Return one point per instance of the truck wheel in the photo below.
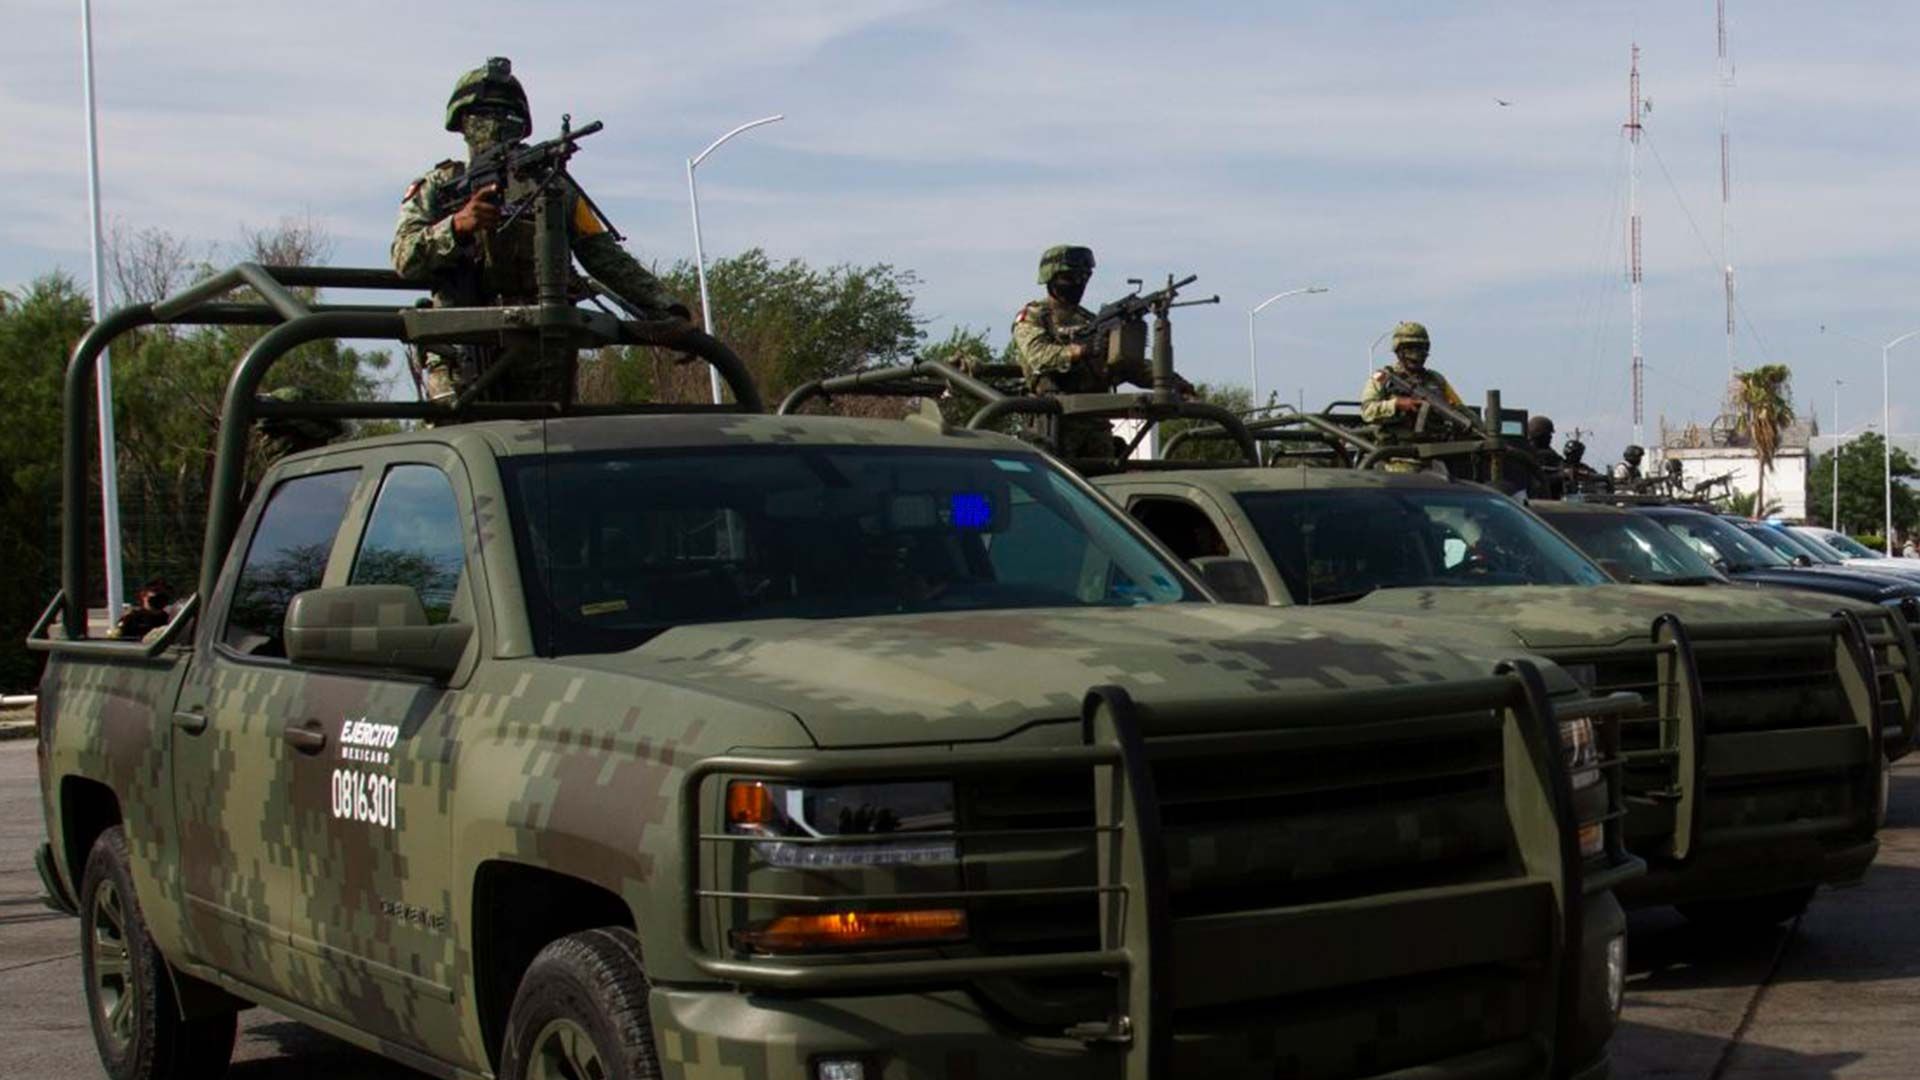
(1752, 912)
(581, 1012)
(136, 1022)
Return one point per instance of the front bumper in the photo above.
(57, 896)
(1753, 870)
(949, 1033)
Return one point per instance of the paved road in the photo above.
(1834, 997)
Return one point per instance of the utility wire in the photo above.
(1712, 259)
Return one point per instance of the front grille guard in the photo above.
(1897, 673)
(1131, 882)
(1677, 713)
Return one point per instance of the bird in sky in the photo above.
(1502, 103)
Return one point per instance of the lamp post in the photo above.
(1373, 347)
(1834, 521)
(1886, 428)
(699, 254)
(1253, 357)
(103, 377)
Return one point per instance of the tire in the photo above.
(129, 992)
(580, 1012)
(1752, 912)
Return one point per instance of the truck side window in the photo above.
(288, 555)
(1182, 526)
(414, 538)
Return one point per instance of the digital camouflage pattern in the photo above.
(1786, 707)
(1043, 331)
(375, 872)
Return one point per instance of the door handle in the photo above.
(191, 721)
(308, 738)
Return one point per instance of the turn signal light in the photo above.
(856, 929)
(749, 803)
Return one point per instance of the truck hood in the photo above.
(974, 676)
(1567, 616)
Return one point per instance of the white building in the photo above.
(1786, 481)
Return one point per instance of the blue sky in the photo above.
(1264, 146)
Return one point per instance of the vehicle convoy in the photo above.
(1800, 547)
(709, 743)
(1752, 774)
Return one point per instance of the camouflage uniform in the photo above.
(1377, 403)
(1043, 332)
(497, 267)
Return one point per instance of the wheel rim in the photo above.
(564, 1051)
(116, 998)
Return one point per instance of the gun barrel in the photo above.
(1185, 281)
(583, 132)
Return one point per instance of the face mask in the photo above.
(485, 131)
(1067, 292)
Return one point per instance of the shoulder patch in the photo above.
(1380, 376)
(413, 189)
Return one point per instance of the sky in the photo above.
(1264, 146)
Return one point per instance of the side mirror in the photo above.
(1616, 570)
(373, 626)
(1803, 560)
(1233, 580)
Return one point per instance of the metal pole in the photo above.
(1886, 431)
(1253, 360)
(1374, 346)
(1834, 521)
(699, 252)
(103, 386)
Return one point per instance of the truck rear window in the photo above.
(615, 548)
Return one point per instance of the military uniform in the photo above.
(1043, 333)
(1377, 402)
(498, 266)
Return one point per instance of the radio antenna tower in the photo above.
(1723, 71)
(1632, 128)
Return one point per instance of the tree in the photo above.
(1236, 399)
(1763, 410)
(788, 321)
(1862, 502)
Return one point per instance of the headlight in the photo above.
(845, 825)
(1583, 761)
(1583, 752)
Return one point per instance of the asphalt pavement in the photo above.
(1836, 995)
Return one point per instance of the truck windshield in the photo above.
(1648, 552)
(1715, 539)
(617, 547)
(1332, 546)
(1788, 546)
(1847, 545)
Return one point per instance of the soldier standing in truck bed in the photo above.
(472, 260)
(1396, 413)
(1057, 359)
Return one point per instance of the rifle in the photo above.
(1431, 401)
(543, 163)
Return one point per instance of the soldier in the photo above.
(1055, 361)
(471, 260)
(1396, 412)
(1549, 465)
(1628, 471)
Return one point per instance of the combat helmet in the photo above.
(1411, 333)
(1065, 259)
(493, 83)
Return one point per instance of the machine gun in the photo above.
(542, 163)
(1432, 403)
(1118, 331)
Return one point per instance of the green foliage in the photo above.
(1862, 488)
(1743, 503)
(789, 321)
(1233, 398)
(1763, 410)
(38, 328)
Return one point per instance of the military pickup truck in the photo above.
(718, 744)
(1757, 768)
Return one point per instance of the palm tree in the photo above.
(1763, 408)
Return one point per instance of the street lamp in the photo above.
(1376, 345)
(1834, 521)
(1886, 428)
(699, 255)
(1253, 358)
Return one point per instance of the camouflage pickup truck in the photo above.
(710, 744)
(1757, 767)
